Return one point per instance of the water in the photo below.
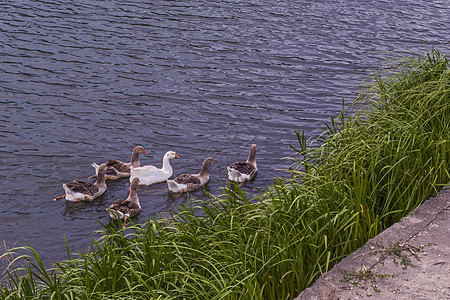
(86, 81)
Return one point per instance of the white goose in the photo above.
(150, 174)
(243, 171)
(190, 182)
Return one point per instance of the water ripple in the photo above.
(86, 81)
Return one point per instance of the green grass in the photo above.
(364, 173)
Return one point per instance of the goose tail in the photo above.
(233, 174)
(115, 214)
(173, 186)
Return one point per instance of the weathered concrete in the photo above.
(422, 238)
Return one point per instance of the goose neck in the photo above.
(204, 171)
(135, 160)
(251, 157)
(166, 165)
(133, 196)
(100, 181)
(100, 178)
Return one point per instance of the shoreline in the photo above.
(425, 239)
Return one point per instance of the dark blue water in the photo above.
(86, 81)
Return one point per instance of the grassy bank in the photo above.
(368, 170)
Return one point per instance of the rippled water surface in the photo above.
(86, 81)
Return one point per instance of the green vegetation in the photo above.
(368, 170)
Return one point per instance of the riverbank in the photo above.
(368, 170)
(409, 260)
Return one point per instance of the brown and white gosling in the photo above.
(191, 182)
(80, 190)
(118, 169)
(243, 171)
(126, 208)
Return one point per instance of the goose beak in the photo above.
(107, 177)
(176, 155)
(145, 151)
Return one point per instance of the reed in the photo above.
(364, 173)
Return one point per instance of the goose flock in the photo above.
(79, 190)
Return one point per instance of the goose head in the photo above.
(134, 184)
(139, 150)
(101, 172)
(171, 155)
(207, 165)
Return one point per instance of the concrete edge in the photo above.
(331, 283)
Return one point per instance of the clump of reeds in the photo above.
(367, 171)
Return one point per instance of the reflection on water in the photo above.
(87, 81)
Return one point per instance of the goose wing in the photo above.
(84, 187)
(117, 165)
(244, 167)
(117, 203)
(187, 178)
(145, 170)
(132, 209)
(126, 207)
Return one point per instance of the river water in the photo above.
(87, 81)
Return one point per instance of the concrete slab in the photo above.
(409, 260)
